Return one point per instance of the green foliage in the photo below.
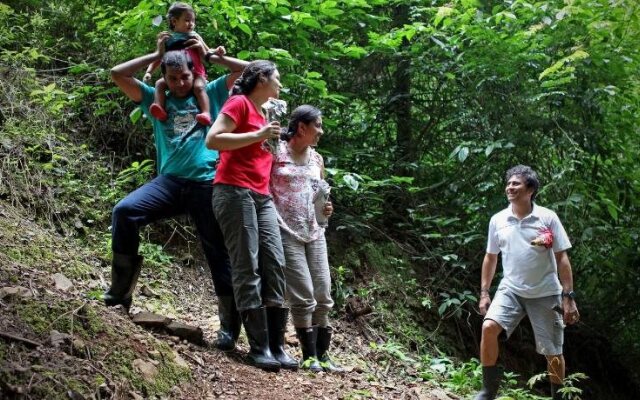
(136, 175)
(452, 303)
(464, 378)
(426, 104)
(340, 287)
(569, 390)
(155, 254)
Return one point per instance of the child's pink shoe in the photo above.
(204, 118)
(158, 112)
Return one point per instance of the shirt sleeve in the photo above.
(235, 108)
(493, 244)
(218, 93)
(560, 239)
(148, 93)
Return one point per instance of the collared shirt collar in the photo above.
(535, 212)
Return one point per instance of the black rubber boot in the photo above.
(125, 270)
(555, 394)
(277, 322)
(491, 377)
(322, 348)
(307, 338)
(255, 325)
(230, 323)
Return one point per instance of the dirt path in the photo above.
(48, 287)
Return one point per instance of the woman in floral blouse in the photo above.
(298, 190)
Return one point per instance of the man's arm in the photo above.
(123, 74)
(488, 271)
(236, 66)
(571, 314)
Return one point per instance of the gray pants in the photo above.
(249, 224)
(308, 281)
(508, 309)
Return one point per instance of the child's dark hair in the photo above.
(255, 72)
(305, 114)
(175, 59)
(176, 10)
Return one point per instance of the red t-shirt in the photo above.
(250, 166)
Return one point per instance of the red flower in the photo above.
(545, 238)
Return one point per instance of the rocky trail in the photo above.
(58, 341)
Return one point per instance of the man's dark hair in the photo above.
(176, 59)
(528, 174)
(256, 71)
(305, 114)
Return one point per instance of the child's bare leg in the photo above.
(157, 108)
(200, 92)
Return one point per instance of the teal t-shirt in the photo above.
(179, 140)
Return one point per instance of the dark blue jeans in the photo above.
(166, 197)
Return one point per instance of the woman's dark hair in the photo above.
(305, 114)
(528, 174)
(255, 72)
(176, 10)
(175, 59)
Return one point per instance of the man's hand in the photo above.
(485, 302)
(198, 45)
(161, 38)
(571, 314)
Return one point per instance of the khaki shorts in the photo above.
(508, 309)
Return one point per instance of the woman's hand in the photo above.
(269, 131)
(147, 77)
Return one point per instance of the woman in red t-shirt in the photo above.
(247, 216)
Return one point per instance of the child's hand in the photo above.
(147, 77)
(220, 51)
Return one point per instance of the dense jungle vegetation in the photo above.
(426, 104)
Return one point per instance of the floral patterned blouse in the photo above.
(294, 188)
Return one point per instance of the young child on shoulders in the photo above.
(182, 21)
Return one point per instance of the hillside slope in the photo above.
(59, 341)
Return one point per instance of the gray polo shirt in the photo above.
(529, 271)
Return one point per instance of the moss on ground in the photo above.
(115, 347)
(169, 372)
(64, 316)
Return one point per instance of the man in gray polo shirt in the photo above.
(534, 247)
